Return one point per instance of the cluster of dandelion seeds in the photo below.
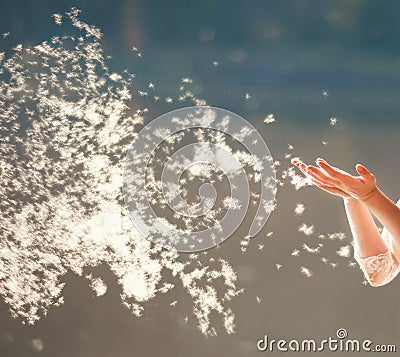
(64, 126)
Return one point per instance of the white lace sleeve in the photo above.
(380, 269)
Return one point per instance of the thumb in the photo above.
(363, 171)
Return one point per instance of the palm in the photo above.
(339, 182)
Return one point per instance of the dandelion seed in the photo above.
(333, 236)
(296, 180)
(142, 94)
(18, 48)
(57, 19)
(333, 265)
(296, 253)
(156, 98)
(325, 93)
(151, 86)
(98, 286)
(365, 282)
(169, 100)
(290, 147)
(136, 309)
(258, 299)
(229, 322)
(247, 96)
(136, 51)
(307, 272)
(352, 264)
(325, 260)
(166, 287)
(270, 234)
(186, 80)
(231, 203)
(307, 230)
(344, 251)
(324, 143)
(244, 243)
(260, 247)
(333, 121)
(300, 208)
(269, 119)
(278, 266)
(310, 249)
(115, 77)
(288, 156)
(6, 34)
(215, 63)
(173, 303)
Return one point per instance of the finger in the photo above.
(303, 168)
(321, 175)
(332, 171)
(364, 172)
(296, 161)
(317, 181)
(301, 165)
(335, 172)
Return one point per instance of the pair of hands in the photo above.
(339, 182)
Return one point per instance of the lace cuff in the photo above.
(379, 269)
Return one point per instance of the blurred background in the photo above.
(305, 61)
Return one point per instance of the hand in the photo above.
(339, 182)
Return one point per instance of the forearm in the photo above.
(366, 236)
(370, 250)
(386, 211)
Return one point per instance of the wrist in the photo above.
(370, 195)
(348, 199)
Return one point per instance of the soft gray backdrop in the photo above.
(284, 54)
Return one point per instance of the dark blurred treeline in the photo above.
(369, 24)
(360, 24)
(281, 51)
